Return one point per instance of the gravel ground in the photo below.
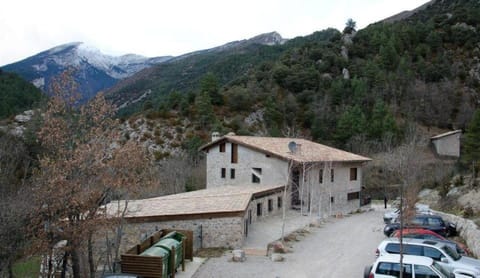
(339, 248)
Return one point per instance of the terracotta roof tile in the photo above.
(212, 200)
(307, 151)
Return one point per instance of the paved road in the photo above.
(339, 248)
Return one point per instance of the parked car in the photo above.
(438, 251)
(461, 248)
(120, 275)
(392, 215)
(430, 222)
(413, 267)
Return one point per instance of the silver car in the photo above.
(438, 251)
(388, 266)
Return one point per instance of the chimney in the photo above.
(215, 135)
(298, 149)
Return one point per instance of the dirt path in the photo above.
(339, 248)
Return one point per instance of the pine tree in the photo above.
(205, 114)
(471, 147)
(349, 26)
(381, 121)
(352, 122)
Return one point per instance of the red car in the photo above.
(427, 234)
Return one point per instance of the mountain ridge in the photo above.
(92, 70)
(95, 71)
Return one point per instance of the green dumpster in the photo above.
(176, 235)
(155, 251)
(167, 244)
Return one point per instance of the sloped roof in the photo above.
(446, 134)
(224, 199)
(307, 151)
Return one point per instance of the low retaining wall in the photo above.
(467, 229)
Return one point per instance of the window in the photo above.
(332, 175)
(408, 249)
(234, 153)
(432, 253)
(270, 204)
(332, 199)
(422, 271)
(232, 173)
(223, 172)
(353, 174)
(353, 196)
(279, 202)
(257, 172)
(259, 209)
(320, 176)
(393, 269)
(435, 222)
(222, 147)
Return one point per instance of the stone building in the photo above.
(249, 178)
(218, 217)
(447, 144)
(321, 179)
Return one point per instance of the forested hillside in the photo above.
(336, 87)
(184, 74)
(16, 94)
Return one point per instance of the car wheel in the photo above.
(448, 233)
(366, 271)
(451, 230)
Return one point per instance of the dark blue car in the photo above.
(430, 222)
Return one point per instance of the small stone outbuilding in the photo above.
(447, 144)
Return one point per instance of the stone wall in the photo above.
(207, 233)
(276, 201)
(467, 229)
(329, 198)
(210, 232)
(274, 171)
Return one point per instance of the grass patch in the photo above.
(27, 268)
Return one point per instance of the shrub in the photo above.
(159, 155)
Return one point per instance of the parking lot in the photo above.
(341, 247)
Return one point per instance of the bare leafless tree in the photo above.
(402, 162)
(83, 166)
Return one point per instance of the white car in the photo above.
(440, 252)
(413, 267)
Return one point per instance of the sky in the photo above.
(173, 27)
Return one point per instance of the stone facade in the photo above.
(210, 231)
(264, 207)
(273, 171)
(325, 197)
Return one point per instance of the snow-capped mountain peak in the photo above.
(94, 71)
(118, 67)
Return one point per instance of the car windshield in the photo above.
(440, 269)
(451, 252)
